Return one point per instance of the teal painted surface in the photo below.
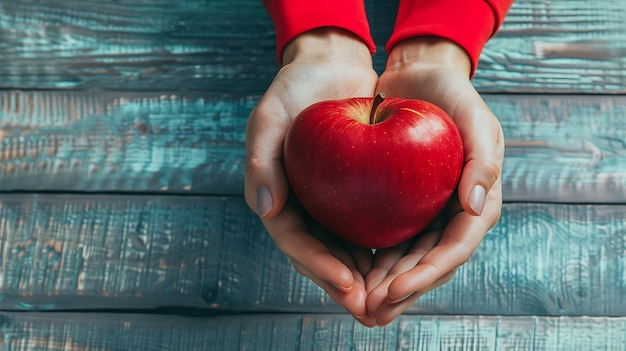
(304, 332)
(557, 46)
(127, 252)
(129, 45)
(95, 141)
(569, 149)
(150, 97)
(544, 46)
(559, 148)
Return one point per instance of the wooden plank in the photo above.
(88, 252)
(562, 148)
(106, 331)
(555, 46)
(101, 141)
(303, 332)
(136, 45)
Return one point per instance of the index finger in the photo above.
(291, 234)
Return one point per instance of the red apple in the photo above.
(373, 171)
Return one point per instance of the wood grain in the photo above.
(563, 148)
(543, 46)
(121, 172)
(560, 148)
(129, 45)
(557, 46)
(170, 142)
(303, 332)
(128, 252)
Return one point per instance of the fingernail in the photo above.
(401, 299)
(477, 199)
(263, 201)
(342, 288)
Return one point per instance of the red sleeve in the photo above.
(469, 23)
(294, 17)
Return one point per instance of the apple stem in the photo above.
(377, 100)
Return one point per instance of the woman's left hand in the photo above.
(438, 71)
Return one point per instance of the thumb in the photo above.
(483, 141)
(265, 184)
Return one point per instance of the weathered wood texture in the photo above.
(149, 134)
(123, 141)
(563, 148)
(304, 332)
(86, 252)
(559, 148)
(136, 45)
(556, 46)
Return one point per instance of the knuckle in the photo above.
(254, 164)
(465, 252)
(492, 170)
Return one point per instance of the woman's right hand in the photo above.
(323, 64)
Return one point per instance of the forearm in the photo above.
(327, 44)
(292, 18)
(429, 51)
(468, 23)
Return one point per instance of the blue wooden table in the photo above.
(122, 220)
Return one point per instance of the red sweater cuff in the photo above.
(294, 17)
(469, 23)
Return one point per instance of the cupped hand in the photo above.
(323, 64)
(438, 71)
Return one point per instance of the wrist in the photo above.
(429, 52)
(327, 44)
